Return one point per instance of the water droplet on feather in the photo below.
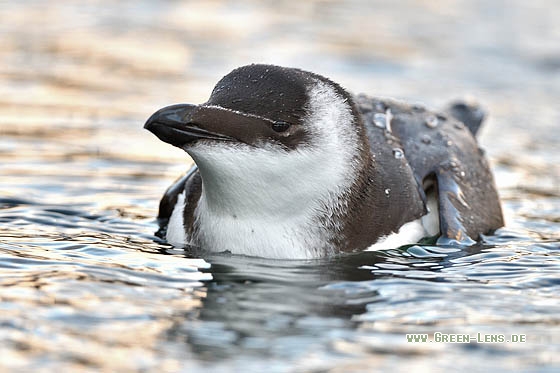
(379, 120)
(431, 121)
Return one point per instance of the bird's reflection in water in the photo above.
(253, 303)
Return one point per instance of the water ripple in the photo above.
(85, 285)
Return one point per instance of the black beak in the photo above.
(177, 125)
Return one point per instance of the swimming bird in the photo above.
(288, 164)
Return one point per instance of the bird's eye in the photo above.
(280, 126)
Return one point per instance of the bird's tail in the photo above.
(471, 114)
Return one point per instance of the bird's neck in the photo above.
(278, 188)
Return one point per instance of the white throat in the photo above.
(268, 202)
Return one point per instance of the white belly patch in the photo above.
(175, 229)
(414, 231)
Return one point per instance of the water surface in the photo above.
(84, 283)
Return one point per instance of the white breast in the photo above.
(261, 205)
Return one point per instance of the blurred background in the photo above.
(82, 281)
(75, 72)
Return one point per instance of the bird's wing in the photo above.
(441, 149)
(188, 183)
(447, 153)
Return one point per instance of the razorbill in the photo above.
(290, 165)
